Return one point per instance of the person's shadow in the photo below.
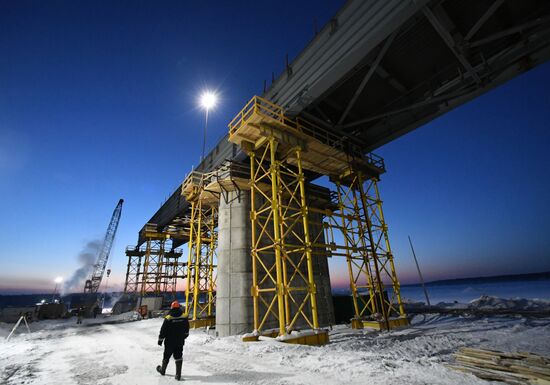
(239, 377)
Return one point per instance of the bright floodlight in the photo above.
(208, 100)
(58, 280)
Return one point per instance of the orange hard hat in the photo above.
(175, 305)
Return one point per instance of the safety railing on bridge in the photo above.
(301, 127)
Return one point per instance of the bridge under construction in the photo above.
(248, 232)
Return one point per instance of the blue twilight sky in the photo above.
(98, 101)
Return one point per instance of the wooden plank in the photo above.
(533, 356)
(503, 366)
(481, 363)
(525, 363)
(531, 371)
(494, 353)
(487, 374)
(480, 356)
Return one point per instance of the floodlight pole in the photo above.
(204, 135)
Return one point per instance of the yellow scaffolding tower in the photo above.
(283, 289)
(202, 245)
(133, 270)
(154, 267)
(360, 220)
(282, 269)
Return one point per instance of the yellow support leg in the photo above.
(190, 257)
(283, 282)
(197, 260)
(280, 293)
(312, 290)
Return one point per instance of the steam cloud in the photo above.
(87, 259)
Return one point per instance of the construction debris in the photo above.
(511, 368)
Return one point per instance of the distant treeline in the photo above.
(24, 300)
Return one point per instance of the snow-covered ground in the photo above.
(61, 352)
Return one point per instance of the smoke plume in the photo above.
(87, 259)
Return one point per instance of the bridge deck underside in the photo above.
(449, 52)
(382, 68)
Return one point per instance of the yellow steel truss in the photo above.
(359, 219)
(199, 294)
(172, 270)
(283, 289)
(202, 246)
(283, 286)
(154, 268)
(133, 271)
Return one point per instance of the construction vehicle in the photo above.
(89, 303)
(91, 285)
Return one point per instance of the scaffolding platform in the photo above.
(202, 322)
(153, 268)
(324, 152)
(230, 176)
(208, 187)
(393, 323)
(287, 234)
(310, 337)
(191, 186)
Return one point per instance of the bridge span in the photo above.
(378, 70)
(381, 68)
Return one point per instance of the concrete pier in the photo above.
(234, 305)
(234, 309)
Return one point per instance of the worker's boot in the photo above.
(178, 369)
(162, 369)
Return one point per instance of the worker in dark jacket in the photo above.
(174, 331)
(79, 315)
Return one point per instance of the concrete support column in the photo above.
(234, 305)
(325, 305)
(234, 308)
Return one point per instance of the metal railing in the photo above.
(375, 160)
(302, 127)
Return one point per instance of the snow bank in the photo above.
(452, 305)
(5, 329)
(486, 303)
(489, 303)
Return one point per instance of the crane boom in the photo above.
(92, 284)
